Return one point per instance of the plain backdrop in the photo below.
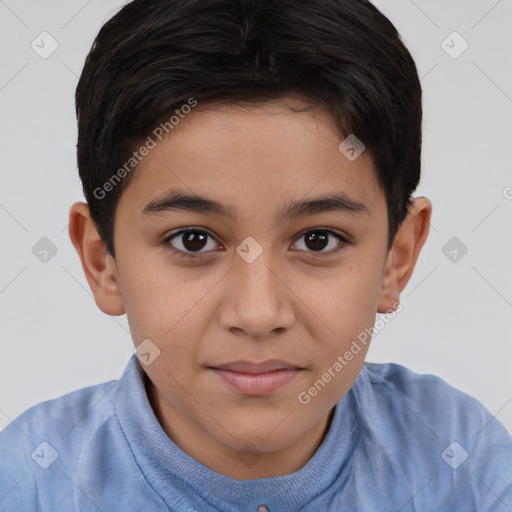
(456, 320)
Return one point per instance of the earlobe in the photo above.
(98, 265)
(404, 253)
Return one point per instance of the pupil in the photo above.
(194, 240)
(317, 240)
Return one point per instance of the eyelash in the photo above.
(198, 255)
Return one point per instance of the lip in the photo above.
(256, 379)
(269, 365)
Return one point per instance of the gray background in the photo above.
(456, 320)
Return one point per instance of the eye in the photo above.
(193, 242)
(316, 240)
(189, 242)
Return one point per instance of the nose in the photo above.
(259, 298)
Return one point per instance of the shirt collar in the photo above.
(165, 465)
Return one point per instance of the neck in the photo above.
(227, 461)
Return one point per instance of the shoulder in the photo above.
(46, 440)
(428, 400)
(59, 415)
(437, 402)
(437, 434)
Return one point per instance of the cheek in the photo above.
(351, 296)
(157, 297)
(346, 306)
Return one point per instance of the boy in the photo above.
(284, 139)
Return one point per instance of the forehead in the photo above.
(253, 155)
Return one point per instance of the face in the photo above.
(259, 268)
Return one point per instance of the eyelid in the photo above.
(343, 240)
(190, 255)
(333, 231)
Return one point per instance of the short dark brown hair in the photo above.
(153, 56)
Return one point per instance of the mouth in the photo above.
(256, 379)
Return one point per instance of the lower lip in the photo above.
(259, 384)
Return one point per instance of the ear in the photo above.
(99, 266)
(404, 253)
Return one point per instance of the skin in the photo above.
(293, 302)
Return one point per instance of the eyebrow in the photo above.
(180, 201)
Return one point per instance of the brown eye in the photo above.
(317, 240)
(190, 241)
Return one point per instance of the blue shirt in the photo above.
(398, 441)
